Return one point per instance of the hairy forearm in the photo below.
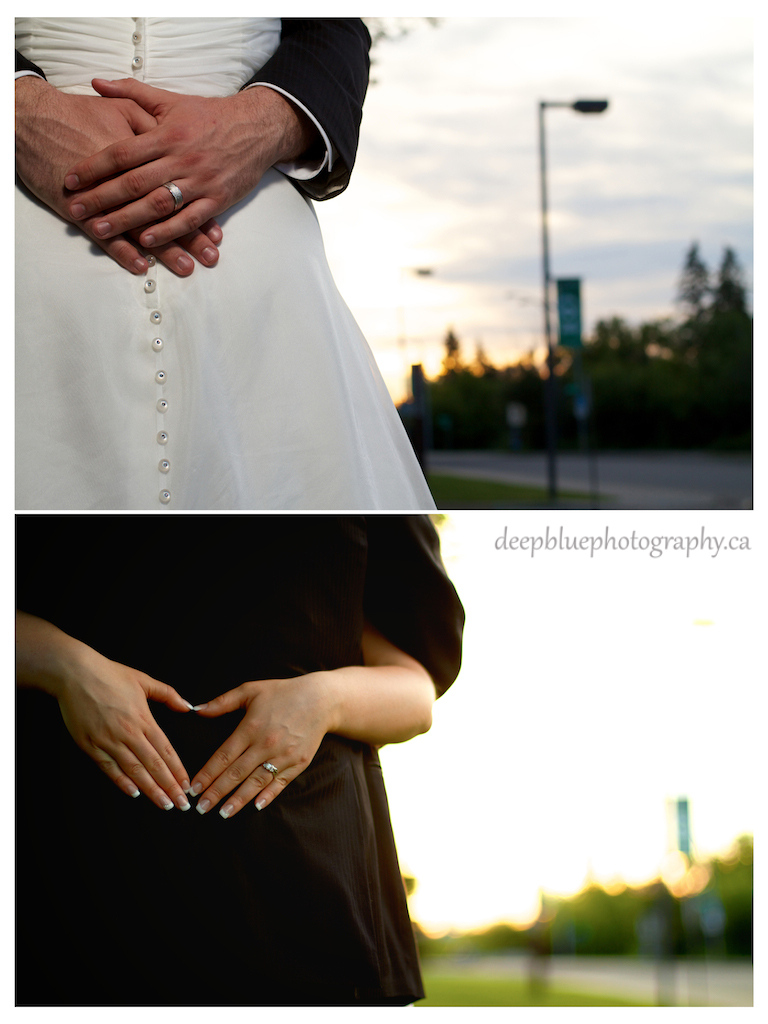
(290, 133)
(30, 91)
(35, 117)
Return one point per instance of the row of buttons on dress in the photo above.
(138, 61)
(161, 378)
(155, 317)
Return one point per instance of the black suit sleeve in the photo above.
(409, 597)
(323, 63)
(22, 64)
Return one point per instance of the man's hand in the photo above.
(214, 149)
(54, 129)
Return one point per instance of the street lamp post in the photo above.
(550, 394)
(421, 419)
(401, 333)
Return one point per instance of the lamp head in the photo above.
(590, 106)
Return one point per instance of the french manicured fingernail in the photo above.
(103, 227)
(78, 209)
(200, 707)
(210, 254)
(72, 181)
(148, 240)
(186, 264)
(168, 805)
(260, 804)
(203, 806)
(196, 790)
(188, 704)
(215, 234)
(182, 803)
(135, 793)
(226, 811)
(141, 266)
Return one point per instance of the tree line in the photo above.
(648, 920)
(684, 383)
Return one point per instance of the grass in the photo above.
(456, 491)
(476, 990)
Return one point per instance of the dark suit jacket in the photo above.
(301, 904)
(323, 63)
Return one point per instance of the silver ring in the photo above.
(270, 768)
(178, 198)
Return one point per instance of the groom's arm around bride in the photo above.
(306, 121)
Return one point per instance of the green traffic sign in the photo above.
(569, 311)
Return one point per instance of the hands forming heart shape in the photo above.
(105, 708)
(387, 698)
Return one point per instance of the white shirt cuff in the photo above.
(302, 170)
(21, 74)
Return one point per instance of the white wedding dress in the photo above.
(244, 386)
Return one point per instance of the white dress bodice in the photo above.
(201, 56)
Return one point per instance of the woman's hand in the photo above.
(105, 708)
(53, 129)
(215, 149)
(386, 700)
(284, 724)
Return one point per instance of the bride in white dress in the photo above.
(247, 385)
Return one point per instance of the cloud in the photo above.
(448, 167)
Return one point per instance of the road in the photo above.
(682, 983)
(627, 480)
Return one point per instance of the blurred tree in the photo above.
(394, 28)
(481, 365)
(382, 29)
(452, 359)
(596, 922)
(648, 920)
(693, 290)
(499, 937)
(730, 295)
(720, 348)
(732, 880)
(660, 384)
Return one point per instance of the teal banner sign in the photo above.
(683, 827)
(569, 311)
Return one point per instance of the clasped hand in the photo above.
(214, 149)
(53, 129)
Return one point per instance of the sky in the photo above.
(593, 690)
(447, 175)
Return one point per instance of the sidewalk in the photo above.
(627, 480)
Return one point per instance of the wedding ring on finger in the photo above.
(178, 198)
(270, 768)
